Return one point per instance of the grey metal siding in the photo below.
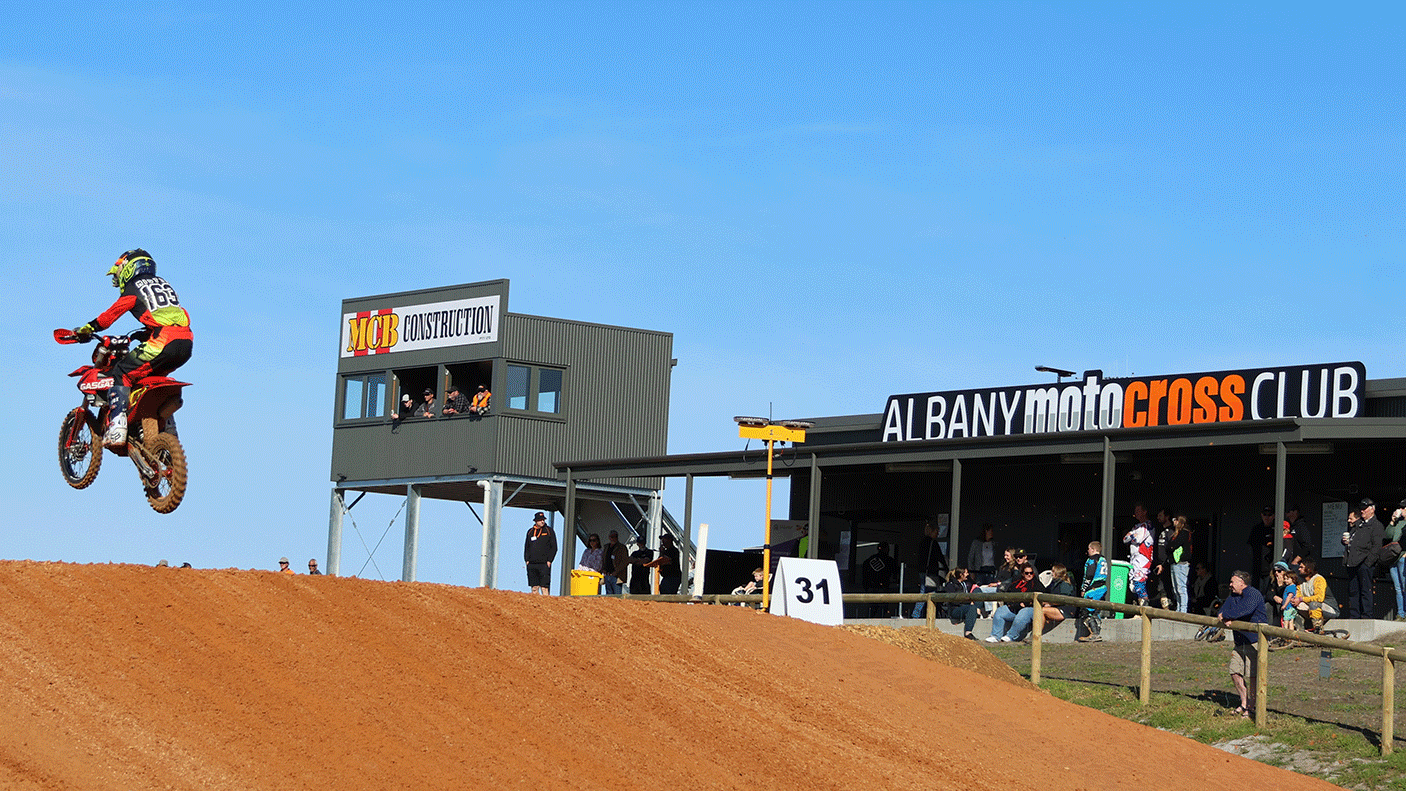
(416, 448)
(616, 398)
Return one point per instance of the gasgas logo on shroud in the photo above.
(1329, 390)
(455, 323)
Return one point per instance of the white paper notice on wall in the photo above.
(808, 590)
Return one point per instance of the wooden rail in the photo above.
(1264, 631)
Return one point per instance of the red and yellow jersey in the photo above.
(153, 302)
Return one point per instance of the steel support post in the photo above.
(492, 525)
(813, 545)
(655, 515)
(412, 532)
(334, 533)
(687, 530)
(1281, 470)
(955, 517)
(1110, 468)
(568, 533)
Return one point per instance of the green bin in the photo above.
(1118, 571)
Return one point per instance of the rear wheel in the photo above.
(80, 450)
(170, 461)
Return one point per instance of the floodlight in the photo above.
(756, 422)
(800, 424)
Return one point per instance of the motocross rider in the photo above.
(166, 338)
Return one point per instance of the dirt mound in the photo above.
(128, 677)
(940, 647)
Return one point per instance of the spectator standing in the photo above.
(1139, 541)
(406, 408)
(1179, 554)
(1162, 561)
(538, 552)
(593, 557)
(639, 571)
(1260, 540)
(1298, 545)
(1095, 587)
(1360, 560)
(455, 402)
(312, 567)
(617, 564)
(1245, 603)
(981, 557)
(1398, 567)
(282, 566)
(670, 572)
(879, 571)
(931, 564)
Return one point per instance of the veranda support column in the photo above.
(334, 533)
(412, 532)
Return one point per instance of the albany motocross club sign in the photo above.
(413, 327)
(1331, 390)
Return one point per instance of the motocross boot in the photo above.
(116, 436)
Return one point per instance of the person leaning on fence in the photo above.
(1012, 620)
(1095, 587)
(1245, 603)
(959, 581)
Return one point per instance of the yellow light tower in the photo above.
(773, 431)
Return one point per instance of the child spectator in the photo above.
(1095, 587)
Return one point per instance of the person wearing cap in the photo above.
(426, 409)
(1140, 542)
(455, 403)
(1360, 561)
(479, 406)
(312, 566)
(405, 409)
(538, 552)
(670, 572)
(617, 564)
(639, 573)
(283, 566)
(1261, 543)
(1397, 568)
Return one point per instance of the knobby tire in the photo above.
(90, 448)
(170, 460)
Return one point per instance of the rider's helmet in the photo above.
(130, 265)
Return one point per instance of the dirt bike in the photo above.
(151, 435)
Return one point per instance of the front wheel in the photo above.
(170, 461)
(80, 449)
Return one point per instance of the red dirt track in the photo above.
(131, 677)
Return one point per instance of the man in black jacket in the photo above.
(1360, 561)
(538, 551)
(931, 565)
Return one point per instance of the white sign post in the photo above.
(808, 590)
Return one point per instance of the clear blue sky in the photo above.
(825, 202)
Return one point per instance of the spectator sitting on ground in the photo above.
(1012, 621)
(455, 402)
(1244, 604)
(479, 406)
(1060, 585)
(1313, 599)
(959, 581)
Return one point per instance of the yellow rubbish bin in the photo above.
(585, 582)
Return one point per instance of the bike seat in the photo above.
(159, 381)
